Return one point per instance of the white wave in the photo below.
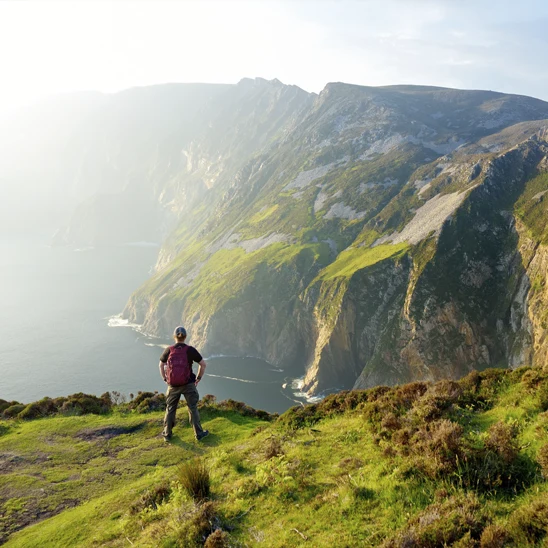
(296, 388)
(216, 356)
(158, 345)
(118, 321)
(233, 379)
(81, 249)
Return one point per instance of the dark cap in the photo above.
(179, 331)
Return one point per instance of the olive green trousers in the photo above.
(192, 398)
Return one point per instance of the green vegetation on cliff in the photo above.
(446, 464)
(532, 207)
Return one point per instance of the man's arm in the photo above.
(162, 370)
(201, 370)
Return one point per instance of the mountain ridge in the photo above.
(313, 230)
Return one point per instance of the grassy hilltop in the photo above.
(447, 464)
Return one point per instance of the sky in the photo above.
(49, 47)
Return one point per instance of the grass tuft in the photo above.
(195, 479)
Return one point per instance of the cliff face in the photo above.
(470, 306)
(371, 244)
(360, 237)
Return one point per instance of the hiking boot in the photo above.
(201, 436)
(167, 437)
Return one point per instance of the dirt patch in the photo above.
(10, 461)
(32, 513)
(108, 432)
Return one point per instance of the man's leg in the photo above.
(172, 401)
(192, 398)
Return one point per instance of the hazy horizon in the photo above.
(51, 48)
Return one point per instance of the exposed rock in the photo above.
(428, 219)
(344, 212)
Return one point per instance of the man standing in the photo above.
(176, 370)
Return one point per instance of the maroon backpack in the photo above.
(179, 366)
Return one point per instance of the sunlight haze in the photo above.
(58, 47)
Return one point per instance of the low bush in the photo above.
(195, 480)
(542, 459)
(152, 498)
(438, 446)
(273, 448)
(146, 402)
(42, 408)
(84, 404)
(496, 467)
(209, 404)
(13, 410)
(217, 539)
(502, 439)
(495, 536)
(458, 521)
(481, 388)
(437, 399)
(197, 524)
(528, 525)
(5, 404)
(299, 417)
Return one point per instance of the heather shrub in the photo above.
(498, 466)
(194, 478)
(116, 397)
(437, 399)
(146, 402)
(207, 401)
(197, 524)
(300, 417)
(273, 448)
(217, 539)
(458, 521)
(542, 394)
(343, 401)
(406, 395)
(83, 404)
(243, 409)
(495, 536)
(529, 524)
(438, 446)
(542, 459)
(13, 410)
(480, 389)
(41, 408)
(152, 498)
(5, 404)
(377, 392)
(391, 422)
(402, 437)
(532, 378)
(502, 439)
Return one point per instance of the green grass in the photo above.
(532, 208)
(358, 469)
(351, 260)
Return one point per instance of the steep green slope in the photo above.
(452, 463)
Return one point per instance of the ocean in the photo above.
(60, 332)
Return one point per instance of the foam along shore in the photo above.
(118, 321)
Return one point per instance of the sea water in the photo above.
(60, 332)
